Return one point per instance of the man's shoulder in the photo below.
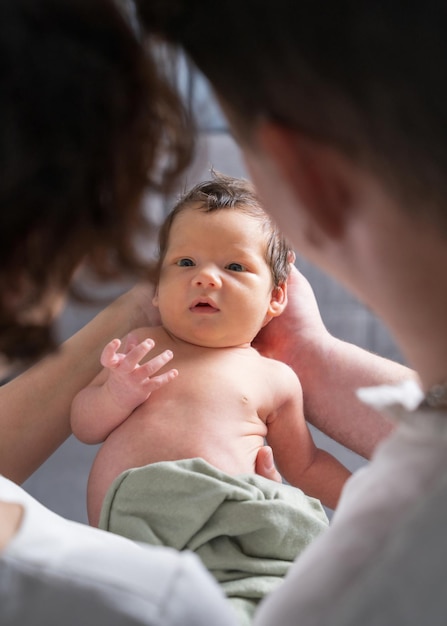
(405, 583)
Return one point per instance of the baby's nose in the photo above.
(208, 277)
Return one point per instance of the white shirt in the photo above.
(383, 561)
(56, 572)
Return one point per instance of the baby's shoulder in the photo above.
(280, 371)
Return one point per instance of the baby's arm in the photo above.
(118, 390)
(315, 471)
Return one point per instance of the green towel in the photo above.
(246, 529)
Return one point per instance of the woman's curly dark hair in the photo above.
(89, 120)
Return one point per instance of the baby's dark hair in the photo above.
(225, 192)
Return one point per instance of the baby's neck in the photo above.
(197, 343)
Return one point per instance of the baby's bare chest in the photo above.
(222, 382)
(216, 408)
(212, 384)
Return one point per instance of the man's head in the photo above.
(366, 78)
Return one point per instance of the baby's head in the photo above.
(227, 193)
(223, 267)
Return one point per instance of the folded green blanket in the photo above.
(246, 529)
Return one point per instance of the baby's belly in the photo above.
(139, 442)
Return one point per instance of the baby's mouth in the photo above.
(204, 307)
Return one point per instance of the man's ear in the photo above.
(318, 175)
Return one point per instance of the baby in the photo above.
(177, 466)
(223, 272)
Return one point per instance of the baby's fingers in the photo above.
(151, 367)
(109, 356)
(158, 381)
(136, 354)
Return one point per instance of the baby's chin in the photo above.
(204, 340)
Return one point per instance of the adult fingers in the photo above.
(265, 465)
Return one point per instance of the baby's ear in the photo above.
(278, 300)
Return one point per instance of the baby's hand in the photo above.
(131, 383)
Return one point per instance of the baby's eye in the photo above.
(236, 267)
(185, 263)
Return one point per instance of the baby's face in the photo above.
(215, 287)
